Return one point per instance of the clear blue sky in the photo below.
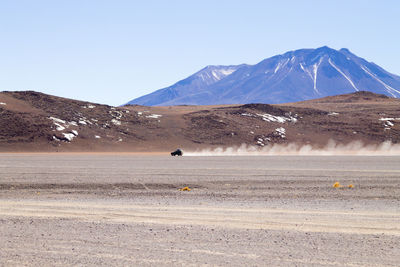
(113, 51)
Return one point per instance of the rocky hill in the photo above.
(32, 121)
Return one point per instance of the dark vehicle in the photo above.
(177, 152)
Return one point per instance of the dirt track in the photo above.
(109, 209)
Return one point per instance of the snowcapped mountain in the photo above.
(195, 86)
(294, 76)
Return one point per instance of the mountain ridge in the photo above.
(290, 77)
(204, 77)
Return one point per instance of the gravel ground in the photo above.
(126, 209)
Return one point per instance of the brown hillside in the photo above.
(32, 121)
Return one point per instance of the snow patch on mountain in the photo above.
(281, 132)
(315, 72)
(344, 75)
(69, 136)
(272, 118)
(390, 89)
(222, 73)
(154, 116)
(213, 74)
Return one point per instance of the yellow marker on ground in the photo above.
(186, 188)
(336, 185)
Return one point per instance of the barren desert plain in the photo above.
(125, 209)
(199, 133)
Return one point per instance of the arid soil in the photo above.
(35, 122)
(126, 209)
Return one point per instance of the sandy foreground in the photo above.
(126, 209)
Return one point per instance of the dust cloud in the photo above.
(331, 148)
